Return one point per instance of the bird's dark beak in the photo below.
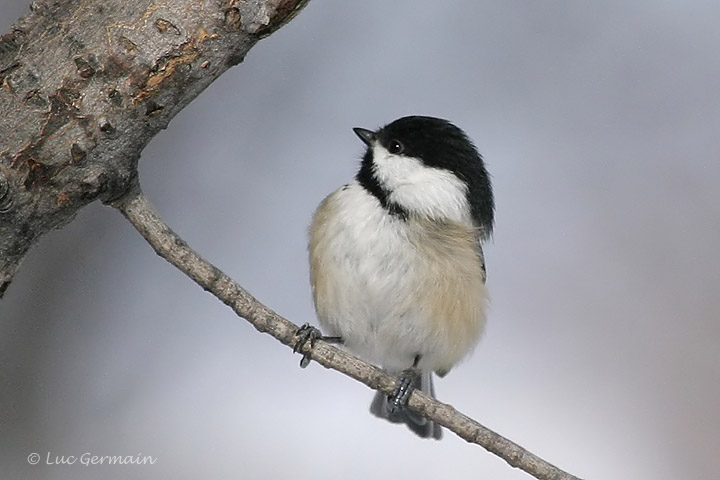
(367, 136)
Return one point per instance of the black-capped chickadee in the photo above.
(396, 262)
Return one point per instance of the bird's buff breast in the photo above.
(393, 289)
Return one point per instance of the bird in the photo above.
(396, 258)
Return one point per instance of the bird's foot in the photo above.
(308, 333)
(406, 382)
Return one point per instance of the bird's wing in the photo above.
(482, 259)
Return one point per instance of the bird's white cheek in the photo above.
(431, 192)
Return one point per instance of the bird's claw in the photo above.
(306, 333)
(404, 387)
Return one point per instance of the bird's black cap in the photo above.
(439, 144)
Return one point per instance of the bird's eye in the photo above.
(395, 147)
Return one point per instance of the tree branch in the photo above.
(85, 85)
(166, 243)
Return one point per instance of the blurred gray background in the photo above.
(600, 124)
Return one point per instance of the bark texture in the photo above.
(85, 85)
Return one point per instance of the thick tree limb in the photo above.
(166, 243)
(85, 85)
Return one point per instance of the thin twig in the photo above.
(136, 208)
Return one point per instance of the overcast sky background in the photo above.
(599, 122)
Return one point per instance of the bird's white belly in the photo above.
(395, 289)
